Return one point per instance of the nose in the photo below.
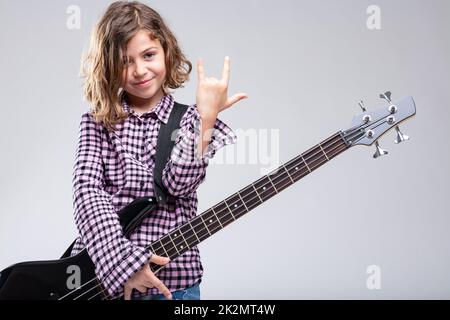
(139, 70)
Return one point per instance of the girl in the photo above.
(132, 62)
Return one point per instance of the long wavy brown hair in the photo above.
(103, 64)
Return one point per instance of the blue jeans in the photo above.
(190, 293)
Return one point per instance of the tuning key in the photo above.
(386, 96)
(379, 152)
(361, 104)
(400, 136)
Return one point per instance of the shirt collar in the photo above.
(161, 110)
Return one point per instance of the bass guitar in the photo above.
(54, 279)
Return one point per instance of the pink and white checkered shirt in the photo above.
(112, 169)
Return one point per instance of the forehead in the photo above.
(140, 42)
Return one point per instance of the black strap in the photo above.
(166, 140)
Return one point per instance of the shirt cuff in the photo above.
(186, 151)
(133, 263)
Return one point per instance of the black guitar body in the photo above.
(42, 280)
(68, 278)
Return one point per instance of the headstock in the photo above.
(369, 126)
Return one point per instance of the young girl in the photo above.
(132, 62)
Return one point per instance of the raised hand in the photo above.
(212, 93)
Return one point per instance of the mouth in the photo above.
(143, 83)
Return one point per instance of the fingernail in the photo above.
(227, 57)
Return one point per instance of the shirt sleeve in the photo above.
(186, 169)
(115, 258)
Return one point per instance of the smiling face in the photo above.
(144, 72)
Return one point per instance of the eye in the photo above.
(149, 54)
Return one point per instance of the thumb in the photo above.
(234, 99)
(159, 260)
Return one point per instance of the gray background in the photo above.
(304, 65)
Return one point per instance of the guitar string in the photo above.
(247, 200)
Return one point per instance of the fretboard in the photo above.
(235, 206)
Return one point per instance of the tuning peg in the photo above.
(361, 104)
(379, 152)
(400, 136)
(386, 96)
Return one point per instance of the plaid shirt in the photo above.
(112, 169)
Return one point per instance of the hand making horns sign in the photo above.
(212, 94)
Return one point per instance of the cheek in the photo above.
(161, 68)
(124, 77)
(162, 73)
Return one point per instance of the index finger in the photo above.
(226, 69)
(161, 287)
(200, 69)
(127, 293)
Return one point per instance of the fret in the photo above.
(236, 205)
(173, 244)
(231, 212)
(257, 193)
(152, 249)
(184, 239)
(242, 201)
(305, 163)
(334, 146)
(221, 226)
(250, 197)
(264, 188)
(167, 246)
(222, 213)
(178, 240)
(160, 251)
(281, 179)
(268, 177)
(316, 158)
(324, 152)
(297, 168)
(288, 173)
(211, 222)
(193, 231)
(188, 235)
(202, 230)
(206, 226)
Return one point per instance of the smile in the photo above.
(143, 84)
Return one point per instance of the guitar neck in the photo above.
(237, 205)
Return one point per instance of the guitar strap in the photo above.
(140, 207)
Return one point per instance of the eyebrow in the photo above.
(148, 49)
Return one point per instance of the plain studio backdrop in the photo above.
(355, 228)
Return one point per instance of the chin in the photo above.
(143, 94)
